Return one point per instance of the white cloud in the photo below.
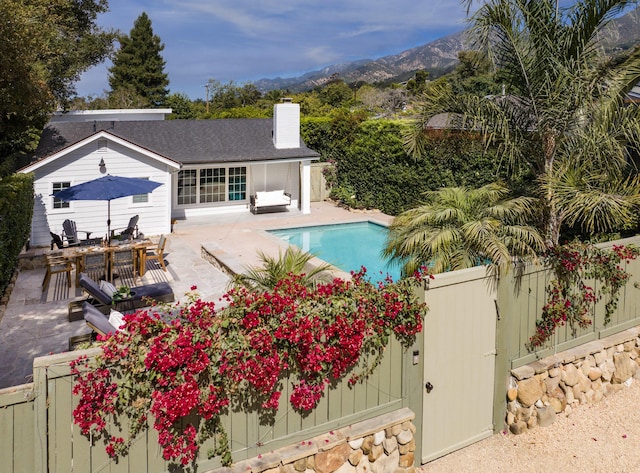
(240, 39)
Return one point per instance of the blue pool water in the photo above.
(347, 246)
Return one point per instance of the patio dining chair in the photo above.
(94, 264)
(157, 252)
(123, 264)
(57, 263)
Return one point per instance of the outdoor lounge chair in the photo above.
(70, 233)
(160, 292)
(95, 319)
(56, 240)
(131, 230)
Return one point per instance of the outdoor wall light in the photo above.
(102, 166)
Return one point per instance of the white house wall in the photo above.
(260, 177)
(82, 165)
(271, 177)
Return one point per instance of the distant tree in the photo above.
(371, 98)
(418, 83)
(249, 94)
(472, 63)
(45, 46)
(336, 93)
(126, 96)
(311, 105)
(181, 106)
(274, 96)
(249, 111)
(379, 101)
(139, 65)
(230, 95)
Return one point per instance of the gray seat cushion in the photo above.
(97, 319)
(160, 292)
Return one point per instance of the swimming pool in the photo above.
(347, 246)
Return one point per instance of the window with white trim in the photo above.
(141, 198)
(187, 186)
(237, 183)
(58, 186)
(212, 185)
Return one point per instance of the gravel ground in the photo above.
(602, 437)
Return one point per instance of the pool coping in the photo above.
(232, 265)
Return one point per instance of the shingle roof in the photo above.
(185, 141)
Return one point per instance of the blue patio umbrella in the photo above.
(107, 188)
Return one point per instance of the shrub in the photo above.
(16, 210)
(571, 300)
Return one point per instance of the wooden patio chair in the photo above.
(57, 263)
(157, 252)
(124, 264)
(131, 230)
(94, 264)
(70, 233)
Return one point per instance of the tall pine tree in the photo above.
(138, 67)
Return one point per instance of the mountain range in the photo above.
(437, 57)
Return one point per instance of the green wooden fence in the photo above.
(37, 433)
(522, 296)
(17, 435)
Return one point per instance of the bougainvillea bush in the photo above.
(571, 296)
(191, 361)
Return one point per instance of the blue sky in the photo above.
(243, 40)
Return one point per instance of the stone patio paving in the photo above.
(32, 328)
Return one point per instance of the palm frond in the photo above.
(595, 202)
(274, 269)
(460, 227)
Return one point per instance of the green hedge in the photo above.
(16, 210)
(374, 171)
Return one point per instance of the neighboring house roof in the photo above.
(634, 94)
(185, 141)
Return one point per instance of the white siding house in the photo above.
(80, 163)
(207, 167)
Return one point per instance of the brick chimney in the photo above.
(286, 124)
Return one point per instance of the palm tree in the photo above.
(459, 227)
(562, 111)
(293, 261)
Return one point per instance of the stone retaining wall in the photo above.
(558, 383)
(384, 444)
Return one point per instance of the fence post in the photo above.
(40, 418)
(413, 381)
(504, 296)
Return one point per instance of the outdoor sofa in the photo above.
(269, 201)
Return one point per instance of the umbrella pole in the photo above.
(108, 222)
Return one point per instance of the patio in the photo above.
(35, 324)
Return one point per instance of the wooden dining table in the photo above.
(76, 255)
